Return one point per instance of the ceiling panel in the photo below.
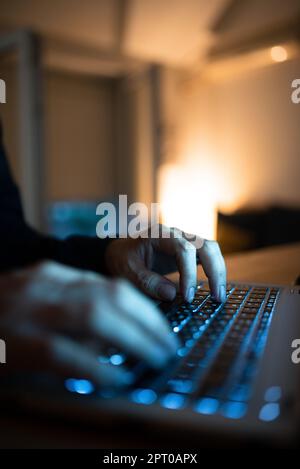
(170, 30)
(88, 22)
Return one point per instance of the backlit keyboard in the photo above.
(220, 345)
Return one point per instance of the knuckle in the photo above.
(145, 280)
(211, 245)
(186, 247)
(175, 232)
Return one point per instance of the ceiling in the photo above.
(92, 33)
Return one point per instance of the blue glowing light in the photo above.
(234, 410)
(117, 359)
(273, 394)
(176, 329)
(143, 396)
(207, 406)
(173, 401)
(269, 412)
(79, 386)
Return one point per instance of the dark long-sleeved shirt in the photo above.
(20, 245)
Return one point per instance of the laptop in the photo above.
(233, 373)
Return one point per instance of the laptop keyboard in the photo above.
(220, 345)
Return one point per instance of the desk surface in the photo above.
(278, 265)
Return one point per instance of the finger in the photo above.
(64, 357)
(153, 284)
(76, 360)
(185, 254)
(187, 266)
(81, 315)
(214, 267)
(151, 319)
(131, 338)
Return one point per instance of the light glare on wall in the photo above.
(232, 65)
(279, 53)
(187, 195)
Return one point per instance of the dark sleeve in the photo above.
(20, 245)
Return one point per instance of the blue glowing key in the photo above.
(273, 394)
(269, 412)
(173, 401)
(79, 386)
(234, 410)
(143, 396)
(207, 406)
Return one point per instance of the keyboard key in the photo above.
(207, 406)
(220, 345)
(173, 401)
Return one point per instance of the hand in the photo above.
(134, 259)
(50, 315)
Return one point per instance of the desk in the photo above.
(273, 265)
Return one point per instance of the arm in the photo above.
(20, 245)
(134, 259)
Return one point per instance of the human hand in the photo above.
(134, 259)
(50, 316)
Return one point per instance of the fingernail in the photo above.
(166, 291)
(190, 295)
(222, 293)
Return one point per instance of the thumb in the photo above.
(154, 284)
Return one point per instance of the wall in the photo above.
(79, 151)
(248, 129)
(78, 140)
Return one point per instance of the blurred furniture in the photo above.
(253, 229)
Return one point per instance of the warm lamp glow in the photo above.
(188, 199)
(279, 53)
